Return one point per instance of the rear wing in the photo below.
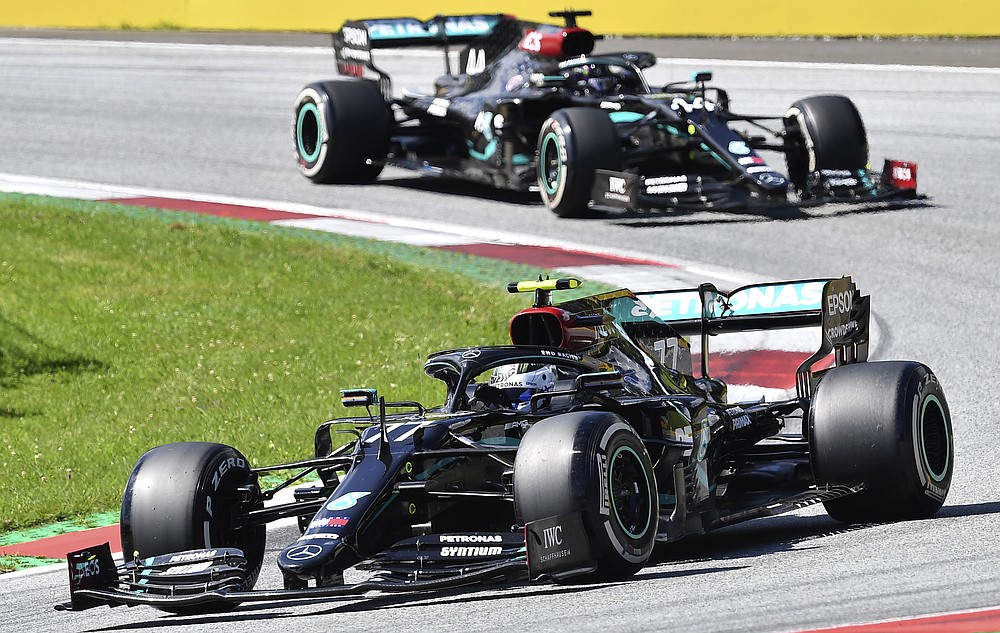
(835, 305)
(353, 44)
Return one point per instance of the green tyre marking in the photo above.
(611, 470)
(308, 109)
(937, 477)
(550, 186)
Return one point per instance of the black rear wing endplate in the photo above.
(354, 42)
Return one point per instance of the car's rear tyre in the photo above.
(571, 463)
(885, 425)
(186, 496)
(572, 145)
(341, 131)
(823, 132)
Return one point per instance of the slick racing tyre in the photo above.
(885, 425)
(341, 131)
(186, 496)
(823, 132)
(573, 144)
(593, 463)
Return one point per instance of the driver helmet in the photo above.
(523, 380)
(603, 79)
(593, 80)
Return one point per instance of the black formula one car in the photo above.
(569, 454)
(530, 108)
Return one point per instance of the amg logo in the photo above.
(180, 558)
(468, 552)
(616, 185)
(471, 538)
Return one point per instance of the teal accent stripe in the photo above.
(625, 117)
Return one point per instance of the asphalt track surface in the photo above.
(201, 118)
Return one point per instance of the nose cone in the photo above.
(307, 556)
(772, 182)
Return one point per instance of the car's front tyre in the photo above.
(592, 463)
(823, 132)
(188, 496)
(572, 145)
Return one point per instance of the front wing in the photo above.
(618, 191)
(188, 580)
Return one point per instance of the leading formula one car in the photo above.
(569, 454)
(531, 108)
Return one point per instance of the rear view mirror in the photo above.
(600, 381)
(358, 397)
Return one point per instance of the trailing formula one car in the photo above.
(531, 108)
(569, 454)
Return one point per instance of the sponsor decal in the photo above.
(770, 178)
(349, 500)
(196, 556)
(409, 28)
(900, 174)
(761, 169)
(470, 551)
(89, 568)
(476, 63)
(739, 148)
(193, 568)
(567, 355)
(840, 303)
(224, 467)
(353, 54)
(354, 36)
(935, 492)
(753, 300)
(842, 330)
(777, 298)
(329, 522)
(839, 177)
(738, 418)
(552, 537)
(695, 104)
(532, 42)
(471, 538)
(666, 184)
(303, 552)
(616, 188)
(751, 160)
(319, 536)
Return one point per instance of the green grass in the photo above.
(122, 329)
